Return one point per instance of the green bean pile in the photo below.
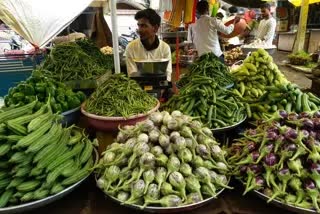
(68, 61)
(208, 65)
(119, 96)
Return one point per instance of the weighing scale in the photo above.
(155, 84)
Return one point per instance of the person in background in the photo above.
(267, 25)
(148, 46)
(206, 31)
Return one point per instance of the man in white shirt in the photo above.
(148, 46)
(206, 31)
(267, 25)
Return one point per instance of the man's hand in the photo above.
(236, 19)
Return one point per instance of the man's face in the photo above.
(145, 29)
(265, 12)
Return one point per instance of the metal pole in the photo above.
(115, 43)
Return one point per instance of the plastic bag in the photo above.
(39, 21)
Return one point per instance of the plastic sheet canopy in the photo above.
(297, 3)
(39, 21)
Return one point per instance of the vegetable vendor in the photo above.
(267, 25)
(148, 46)
(206, 31)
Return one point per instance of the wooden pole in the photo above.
(302, 26)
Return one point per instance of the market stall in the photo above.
(158, 157)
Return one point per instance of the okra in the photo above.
(3, 174)
(36, 171)
(51, 137)
(4, 198)
(27, 197)
(16, 112)
(39, 121)
(28, 118)
(3, 128)
(61, 148)
(4, 183)
(34, 136)
(87, 152)
(67, 172)
(44, 152)
(28, 186)
(22, 172)
(56, 189)
(52, 176)
(40, 194)
(17, 129)
(66, 156)
(14, 138)
(4, 149)
(85, 171)
(15, 182)
(18, 157)
(76, 136)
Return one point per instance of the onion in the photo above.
(164, 140)
(173, 124)
(121, 137)
(166, 119)
(174, 135)
(154, 136)
(164, 130)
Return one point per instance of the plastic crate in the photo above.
(16, 68)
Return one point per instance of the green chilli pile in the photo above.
(205, 99)
(167, 160)
(208, 65)
(38, 157)
(119, 96)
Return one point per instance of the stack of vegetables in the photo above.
(208, 65)
(40, 88)
(119, 96)
(283, 97)
(299, 58)
(80, 60)
(38, 156)
(167, 160)
(257, 72)
(205, 99)
(232, 55)
(281, 159)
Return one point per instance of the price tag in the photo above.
(148, 87)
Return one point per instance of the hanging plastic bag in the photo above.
(39, 21)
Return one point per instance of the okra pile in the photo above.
(119, 96)
(167, 160)
(39, 157)
(205, 99)
(281, 158)
(257, 71)
(208, 65)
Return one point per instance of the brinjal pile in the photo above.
(168, 160)
(281, 158)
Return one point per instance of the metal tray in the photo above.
(227, 128)
(183, 208)
(283, 205)
(45, 201)
(70, 117)
(40, 203)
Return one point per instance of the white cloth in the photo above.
(206, 34)
(135, 50)
(165, 5)
(266, 30)
(155, 4)
(191, 32)
(40, 21)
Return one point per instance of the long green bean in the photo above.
(119, 96)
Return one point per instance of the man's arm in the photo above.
(219, 25)
(271, 28)
(167, 55)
